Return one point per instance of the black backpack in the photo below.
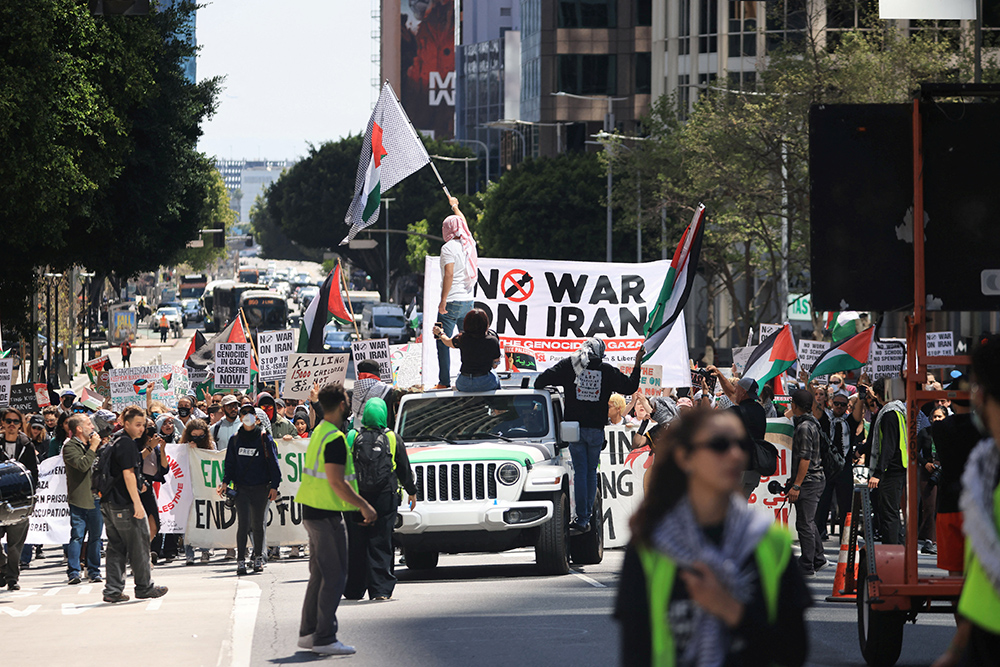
(101, 477)
(373, 465)
(833, 458)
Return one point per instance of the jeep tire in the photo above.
(588, 548)
(420, 560)
(551, 551)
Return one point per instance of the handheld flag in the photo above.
(328, 305)
(842, 325)
(411, 315)
(677, 285)
(391, 152)
(204, 355)
(772, 357)
(847, 355)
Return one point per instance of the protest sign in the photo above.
(741, 355)
(810, 351)
(551, 307)
(650, 378)
(42, 395)
(376, 349)
(304, 370)
(940, 344)
(766, 330)
(6, 375)
(273, 348)
(22, 397)
(518, 358)
(97, 371)
(886, 360)
(130, 385)
(232, 365)
(779, 433)
(406, 362)
(173, 497)
(211, 524)
(49, 522)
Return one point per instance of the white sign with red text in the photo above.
(174, 496)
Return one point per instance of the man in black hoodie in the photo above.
(588, 382)
(808, 481)
(16, 447)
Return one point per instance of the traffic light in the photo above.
(219, 238)
(249, 240)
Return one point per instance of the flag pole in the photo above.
(246, 332)
(417, 134)
(350, 306)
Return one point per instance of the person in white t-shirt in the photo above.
(459, 271)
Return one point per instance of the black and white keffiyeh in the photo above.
(591, 350)
(978, 486)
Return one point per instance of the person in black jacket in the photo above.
(16, 447)
(252, 468)
(589, 383)
(888, 469)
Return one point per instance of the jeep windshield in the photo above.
(467, 417)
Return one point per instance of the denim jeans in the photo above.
(128, 541)
(487, 382)
(455, 315)
(586, 455)
(90, 523)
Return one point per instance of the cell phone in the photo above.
(439, 324)
(863, 391)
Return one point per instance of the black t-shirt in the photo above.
(124, 455)
(754, 641)
(954, 439)
(335, 452)
(478, 353)
(753, 416)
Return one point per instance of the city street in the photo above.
(473, 609)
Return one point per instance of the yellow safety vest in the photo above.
(902, 440)
(773, 554)
(315, 490)
(980, 602)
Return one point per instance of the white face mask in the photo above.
(249, 420)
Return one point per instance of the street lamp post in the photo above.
(386, 200)
(485, 148)
(87, 308)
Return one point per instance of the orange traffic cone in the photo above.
(839, 579)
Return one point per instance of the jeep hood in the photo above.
(487, 451)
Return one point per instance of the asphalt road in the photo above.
(480, 609)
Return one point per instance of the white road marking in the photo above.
(593, 582)
(53, 591)
(84, 590)
(154, 604)
(235, 651)
(19, 614)
(70, 609)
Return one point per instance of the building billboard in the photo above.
(427, 65)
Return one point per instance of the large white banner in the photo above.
(551, 307)
(213, 525)
(174, 496)
(49, 522)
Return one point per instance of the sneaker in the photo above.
(296, 552)
(154, 592)
(807, 573)
(206, 556)
(306, 641)
(230, 554)
(189, 560)
(274, 553)
(437, 386)
(820, 566)
(577, 528)
(241, 568)
(117, 597)
(929, 548)
(96, 579)
(13, 586)
(381, 598)
(25, 566)
(336, 648)
(38, 552)
(74, 580)
(258, 564)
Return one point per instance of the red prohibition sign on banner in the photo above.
(517, 285)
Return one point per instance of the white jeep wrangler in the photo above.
(493, 473)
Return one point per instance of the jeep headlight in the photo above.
(508, 473)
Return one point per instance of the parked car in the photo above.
(337, 341)
(384, 320)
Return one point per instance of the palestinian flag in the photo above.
(204, 355)
(326, 307)
(197, 343)
(391, 151)
(842, 325)
(846, 355)
(677, 285)
(411, 315)
(772, 357)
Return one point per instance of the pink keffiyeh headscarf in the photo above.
(455, 226)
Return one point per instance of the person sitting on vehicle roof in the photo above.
(480, 350)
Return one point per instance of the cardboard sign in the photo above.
(518, 358)
(273, 348)
(6, 375)
(173, 497)
(376, 349)
(406, 363)
(886, 360)
(49, 521)
(22, 397)
(741, 355)
(130, 385)
(97, 371)
(810, 351)
(551, 307)
(766, 330)
(650, 378)
(42, 395)
(232, 365)
(941, 344)
(305, 370)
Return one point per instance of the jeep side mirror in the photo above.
(569, 432)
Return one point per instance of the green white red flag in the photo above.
(843, 324)
(326, 307)
(772, 357)
(391, 151)
(847, 355)
(677, 285)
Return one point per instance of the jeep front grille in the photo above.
(438, 482)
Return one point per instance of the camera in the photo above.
(230, 498)
(150, 433)
(935, 475)
(775, 488)
(863, 392)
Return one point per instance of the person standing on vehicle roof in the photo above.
(459, 271)
(589, 382)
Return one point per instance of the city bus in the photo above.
(264, 310)
(207, 299)
(226, 302)
(249, 274)
(193, 285)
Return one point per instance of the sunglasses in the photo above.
(721, 444)
(840, 404)
(11, 421)
(199, 437)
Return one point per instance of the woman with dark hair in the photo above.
(480, 350)
(706, 579)
(197, 435)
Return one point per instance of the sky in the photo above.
(297, 72)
